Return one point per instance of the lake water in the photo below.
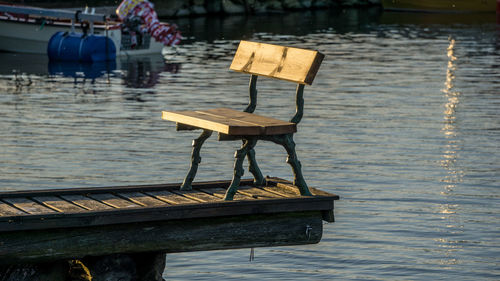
(402, 121)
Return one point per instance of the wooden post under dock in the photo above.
(66, 224)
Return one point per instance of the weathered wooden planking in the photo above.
(203, 202)
(246, 117)
(200, 120)
(231, 122)
(269, 126)
(7, 210)
(176, 212)
(199, 196)
(142, 199)
(113, 201)
(28, 206)
(171, 198)
(286, 188)
(217, 233)
(58, 204)
(85, 202)
(258, 193)
(108, 189)
(221, 192)
(286, 63)
(283, 192)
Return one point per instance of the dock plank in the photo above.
(171, 198)
(288, 193)
(143, 199)
(59, 204)
(7, 210)
(198, 196)
(113, 200)
(291, 188)
(29, 206)
(221, 192)
(287, 188)
(258, 193)
(87, 203)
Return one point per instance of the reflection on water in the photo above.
(347, 20)
(418, 181)
(81, 70)
(450, 123)
(135, 72)
(145, 72)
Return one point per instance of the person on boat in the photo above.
(143, 9)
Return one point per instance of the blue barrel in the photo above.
(64, 46)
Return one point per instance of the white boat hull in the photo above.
(32, 37)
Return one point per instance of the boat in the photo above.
(441, 6)
(25, 29)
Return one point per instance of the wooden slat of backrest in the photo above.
(286, 63)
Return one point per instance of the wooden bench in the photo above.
(257, 59)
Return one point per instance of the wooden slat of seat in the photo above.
(231, 122)
(286, 63)
(268, 125)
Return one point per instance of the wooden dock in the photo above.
(49, 225)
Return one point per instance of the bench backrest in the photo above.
(286, 63)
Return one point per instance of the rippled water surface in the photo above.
(403, 122)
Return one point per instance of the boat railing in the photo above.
(74, 16)
(77, 16)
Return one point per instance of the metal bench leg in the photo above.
(195, 159)
(292, 159)
(238, 167)
(259, 180)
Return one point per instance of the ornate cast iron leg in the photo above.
(238, 167)
(292, 159)
(259, 180)
(195, 159)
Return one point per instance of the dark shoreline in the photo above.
(193, 8)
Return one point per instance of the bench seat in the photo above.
(231, 122)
